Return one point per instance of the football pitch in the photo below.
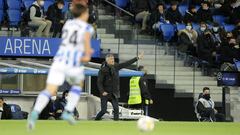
(118, 128)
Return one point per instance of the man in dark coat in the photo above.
(5, 110)
(108, 84)
(173, 15)
(54, 14)
(191, 15)
(204, 13)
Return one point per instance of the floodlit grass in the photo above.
(118, 128)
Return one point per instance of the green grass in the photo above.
(118, 128)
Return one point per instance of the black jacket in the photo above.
(54, 14)
(228, 53)
(190, 17)
(204, 15)
(6, 114)
(143, 84)
(155, 17)
(140, 5)
(108, 77)
(174, 16)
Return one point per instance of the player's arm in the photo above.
(88, 49)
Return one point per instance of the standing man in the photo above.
(5, 110)
(108, 83)
(139, 95)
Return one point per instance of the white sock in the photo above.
(42, 101)
(73, 98)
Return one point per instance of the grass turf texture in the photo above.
(118, 128)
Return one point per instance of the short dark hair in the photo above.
(78, 10)
(60, 1)
(64, 93)
(206, 88)
(140, 68)
(1, 98)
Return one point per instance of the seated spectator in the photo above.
(204, 13)
(55, 15)
(5, 110)
(60, 105)
(236, 32)
(227, 8)
(68, 14)
(219, 34)
(191, 15)
(48, 112)
(203, 27)
(206, 107)
(235, 16)
(141, 10)
(37, 19)
(230, 51)
(157, 17)
(188, 40)
(173, 15)
(206, 48)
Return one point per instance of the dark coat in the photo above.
(143, 84)
(47, 111)
(140, 6)
(190, 17)
(204, 15)
(174, 16)
(205, 47)
(228, 53)
(60, 105)
(235, 16)
(54, 14)
(6, 114)
(108, 77)
(156, 17)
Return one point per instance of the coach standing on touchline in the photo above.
(108, 83)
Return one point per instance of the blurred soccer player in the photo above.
(75, 49)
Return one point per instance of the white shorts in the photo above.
(59, 72)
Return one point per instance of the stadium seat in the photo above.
(182, 9)
(16, 112)
(195, 26)
(121, 3)
(198, 7)
(14, 17)
(65, 8)
(47, 4)
(1, 4)
(219, 19)
(28, 3)
(229, 27)
(14, 4)
(1, 16)
(168, 31)
(180, 27)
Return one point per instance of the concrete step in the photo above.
(101, 31)
(168, 68)
(196, 83)
(128, 46)
(106, 36)
(123, 27)
(132, 51)
(180, 73)
(178, 63)
(149, 57)
(105, 17)
(111, 41)
(188, 78)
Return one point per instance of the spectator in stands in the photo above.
(173, 15)
(206, 48)
(203, 27)
(206, 107)
(235, 16)
(188, 40)
(68, 14)
(37, 19)
(236, 32)
(191, 15)
(204, 13)
(5, 110)
(230, 51)
(55, 15)
(108, 84)
(157, 17)
(60, 105)
(141, 10)
(218, 34)
(48, 112)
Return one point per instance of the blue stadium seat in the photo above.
(28, 3)
(180, 27)
(47, 4)
(1, 5)
(14, 17)
(182, 9)
(198, 7)
(195, 26)
(1, 16)
(16, 112)
(168, 31)
(229, 27)
(121, 3)
(65, 8)
(14, 4)
(219, 19)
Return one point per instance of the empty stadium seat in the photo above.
(1, 16)
(47, 4)
(182, 9)
(219, 19)
(28, 3)
(121, 3)
(14, 17)
(14, 4)
(229, 27)
(180, 27)
(168, 31)
(65, 8)
(1, 4)
(195, 26)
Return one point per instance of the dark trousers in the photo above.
(57, 28)
(104, 100)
